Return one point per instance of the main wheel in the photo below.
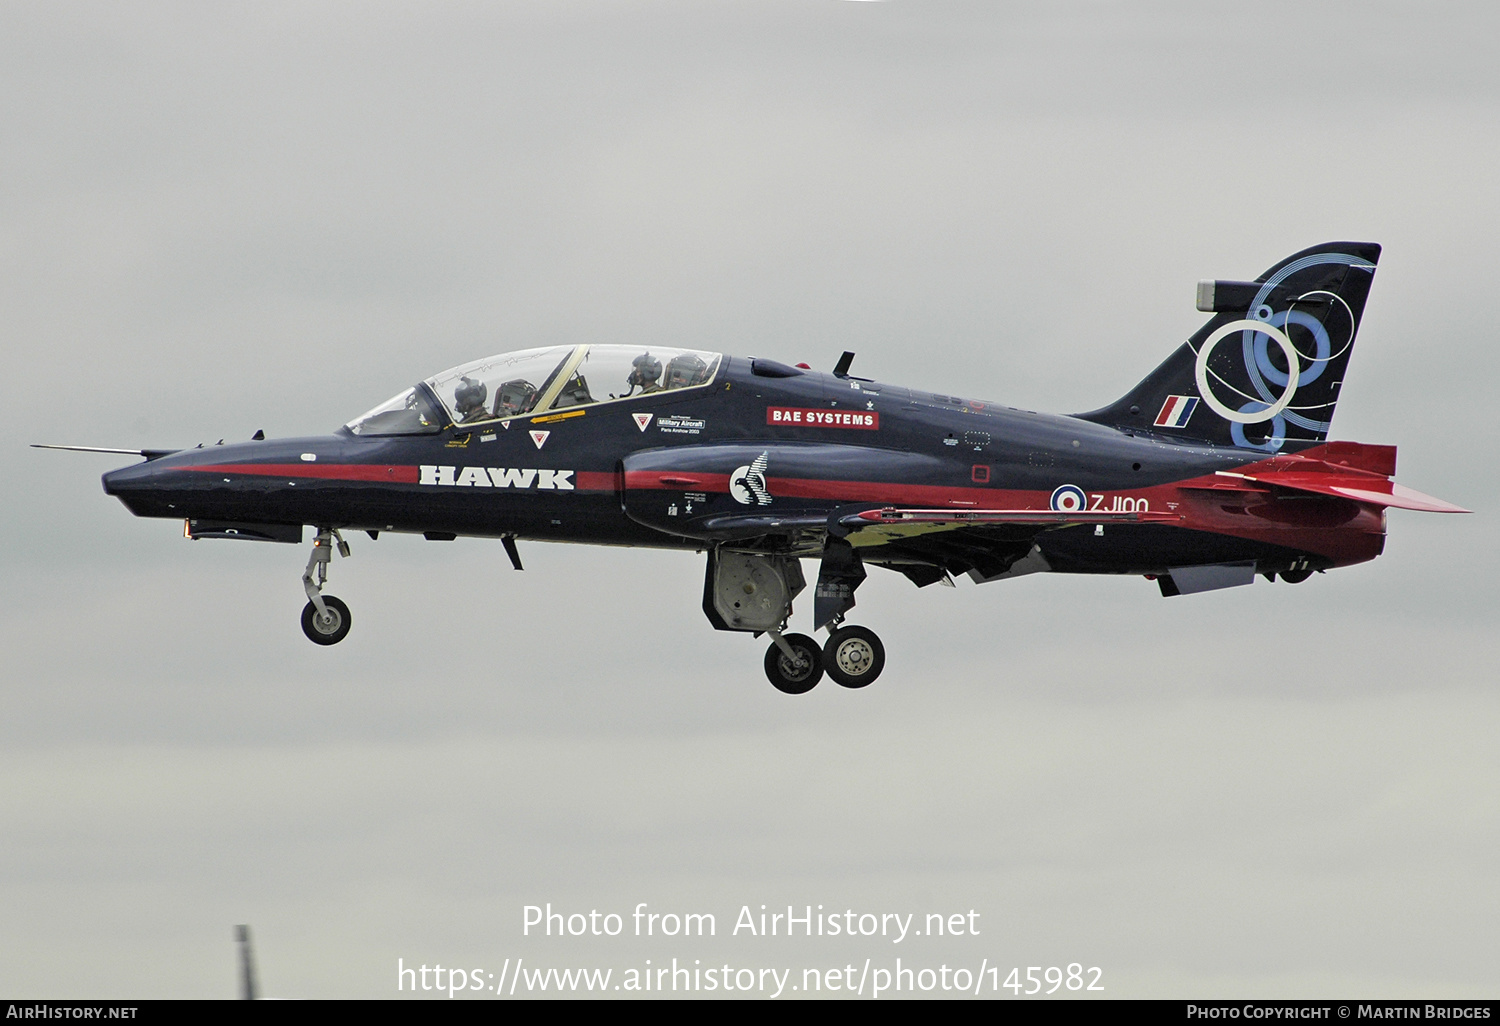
(794, 677)
(1296, 576)
(853, 656)
(328, 631)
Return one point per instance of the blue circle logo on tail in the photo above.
(1069, 499)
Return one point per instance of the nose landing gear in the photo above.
(328, 628)
(325, 619)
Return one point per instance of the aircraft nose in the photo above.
(118, 482)
(196, 483)
(114, 480)
(157, 470)
(140, 488)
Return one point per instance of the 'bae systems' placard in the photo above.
(798, 417)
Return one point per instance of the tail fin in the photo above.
(1233, 382)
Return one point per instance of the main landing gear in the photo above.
(794, 664)
(753, 591)
(325, 619)
(853, 657)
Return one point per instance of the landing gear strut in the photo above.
(325, 619)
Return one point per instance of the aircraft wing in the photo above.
(876, 526)
(886, 525)
(953, 518)
(926, 545)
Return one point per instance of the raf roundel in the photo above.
(1069, 499)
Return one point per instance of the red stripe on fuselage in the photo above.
(594, 481)
(675, 481)
(325, 471)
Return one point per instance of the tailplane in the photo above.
(1266, 370)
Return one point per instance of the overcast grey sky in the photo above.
(216, 219)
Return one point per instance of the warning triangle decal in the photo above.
(642, 420)
(540, 437)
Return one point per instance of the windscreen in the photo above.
(410, 413)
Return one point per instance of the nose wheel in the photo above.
(325, 619)
(328, 628)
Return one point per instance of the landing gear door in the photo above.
(750, 591)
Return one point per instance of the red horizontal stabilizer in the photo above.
(1359, 487)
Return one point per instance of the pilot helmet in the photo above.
(515, 397)
(469, 396)
(646, 371)
(685, 370)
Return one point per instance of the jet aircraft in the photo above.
(1215, 468)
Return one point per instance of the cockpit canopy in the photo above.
(535, 381)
